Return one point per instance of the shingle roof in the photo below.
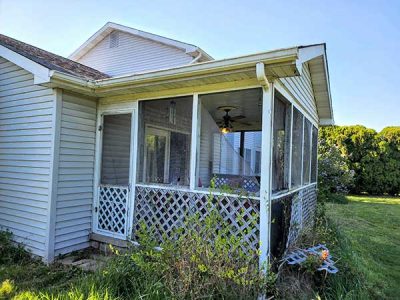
(50, 60)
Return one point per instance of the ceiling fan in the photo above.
(225, 124)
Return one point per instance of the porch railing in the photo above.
(166, 208)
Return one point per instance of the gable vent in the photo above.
(114, 39)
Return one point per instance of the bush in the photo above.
(200, 260)
(373, 158)
(11, 252)
(334, 176)
(204, 260)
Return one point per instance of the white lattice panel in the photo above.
(165, 210)
(112, 210)
(296, 218)
(309, 205)
(246, 183)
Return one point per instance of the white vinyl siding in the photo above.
(301, 88)
(26, 112)
(133, 54)
(75, 174)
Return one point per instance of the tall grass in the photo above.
(200, 260)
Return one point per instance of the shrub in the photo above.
(11, 252)
(374, 158)
(204, 260)
(334, 175)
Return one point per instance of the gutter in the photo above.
(289, 55)
(223, 65)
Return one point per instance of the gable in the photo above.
(132, 54)
(301, 88)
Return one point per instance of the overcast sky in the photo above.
(363, 38)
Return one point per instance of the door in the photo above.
(113, 193)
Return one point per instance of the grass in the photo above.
(362, 233)
(370, 229)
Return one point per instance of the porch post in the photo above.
(194, 150)
(133, 167)
(266, 172)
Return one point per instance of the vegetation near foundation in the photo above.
(201, 261)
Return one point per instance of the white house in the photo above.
(134, 126)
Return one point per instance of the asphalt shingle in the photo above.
(50, 60)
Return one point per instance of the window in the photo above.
(306, 151)
(297, 147)
(164, 141)
(281, 133)
(314, 155)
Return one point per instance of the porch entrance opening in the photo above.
(230, 142)
(114, 186)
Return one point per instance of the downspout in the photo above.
(196, 58)
(261, 76)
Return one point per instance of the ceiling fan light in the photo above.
(225, 130)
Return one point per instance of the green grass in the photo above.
(371, 227)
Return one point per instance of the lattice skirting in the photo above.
(303, 204)
(166, 210)
(112, 210)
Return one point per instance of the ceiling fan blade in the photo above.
(244, 123)
(237, 118)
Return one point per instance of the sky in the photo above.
(363, 38)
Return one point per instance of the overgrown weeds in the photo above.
(201, 259)
(348, 283)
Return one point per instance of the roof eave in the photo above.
(271, 57)
(311, 52)
(40, 73)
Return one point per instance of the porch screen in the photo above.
(230, 141)
(281, 134)
(314, 154)
(297, 147)
(307, 151)
(116, 149)
(164, 141)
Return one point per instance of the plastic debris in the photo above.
(300, 255)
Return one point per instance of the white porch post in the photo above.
(133, 167)
(194, 150)
(266, 172)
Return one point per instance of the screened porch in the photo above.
(160, 159)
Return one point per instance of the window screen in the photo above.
(257, 163)
(307, 152)
(116, 149)
(314, 154)
(281, 131)
(164, 141)
(297, 147)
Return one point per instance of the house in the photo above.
(133, 127)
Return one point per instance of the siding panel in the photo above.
(75, 174)
(25, 146)
(133, 54)
(301, 88)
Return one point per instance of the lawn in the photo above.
(365, 240)
(372, 227)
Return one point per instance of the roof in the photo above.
(55, 71)
(110, 26)
(50, 60)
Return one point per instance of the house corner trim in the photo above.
(53, 178)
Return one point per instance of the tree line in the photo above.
(358, 160)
